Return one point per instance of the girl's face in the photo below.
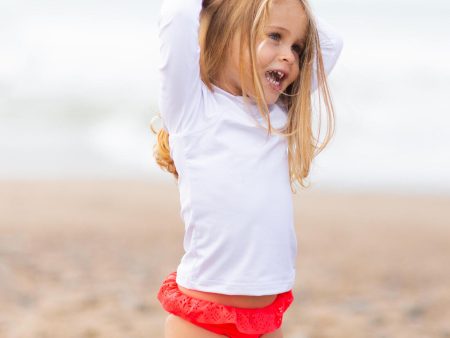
(278, 51)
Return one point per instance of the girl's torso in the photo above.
(234, 182)
(240, 301)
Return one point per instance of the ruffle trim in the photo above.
(249, 321)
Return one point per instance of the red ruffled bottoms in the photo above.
(226, 320)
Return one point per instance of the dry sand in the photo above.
(85, 259)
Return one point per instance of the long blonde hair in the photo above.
(221, 20)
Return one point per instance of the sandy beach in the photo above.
(86, 258)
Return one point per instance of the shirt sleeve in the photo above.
(331, 44)
(179, 69)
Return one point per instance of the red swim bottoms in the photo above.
(225, 320)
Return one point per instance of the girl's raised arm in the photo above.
(180, 86)
(331, 45)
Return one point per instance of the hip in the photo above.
(240, 301)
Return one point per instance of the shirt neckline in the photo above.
(248, 105)
(244, 102)
(232, 96)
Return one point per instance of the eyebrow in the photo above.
(301, 41)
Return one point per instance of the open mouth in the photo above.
(275, 78)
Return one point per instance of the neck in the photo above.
(225, 83)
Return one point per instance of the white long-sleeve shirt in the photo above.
(235, 195)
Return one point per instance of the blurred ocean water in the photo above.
(79, 82)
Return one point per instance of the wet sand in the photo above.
(85, 259)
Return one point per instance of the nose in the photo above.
(287, 55)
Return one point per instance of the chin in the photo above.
(272, 96)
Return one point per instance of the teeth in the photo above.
(274, 77)
(272, 80)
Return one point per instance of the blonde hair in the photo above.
(220, 22)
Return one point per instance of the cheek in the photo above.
(264, 54)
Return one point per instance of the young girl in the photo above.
(237, 78)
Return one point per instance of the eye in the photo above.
(274, 36)
(297, 49)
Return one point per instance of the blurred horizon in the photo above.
(79, 86)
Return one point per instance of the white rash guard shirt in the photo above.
(235, 194)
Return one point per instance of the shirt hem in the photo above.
(237, 289)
